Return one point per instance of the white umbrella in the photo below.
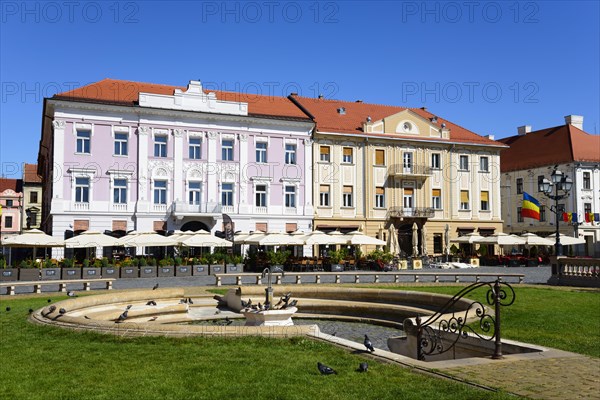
(415, 239)
(250, 237)
(205, 239)
(359, 238)
(532, 239)
(91, 239)
(423, 240)
(277, 239)
(502, 239)
(566, 240)
(321, 238)
(33, 238)
(393, 244)
(146, 239)
(468, 238)
(447, 240)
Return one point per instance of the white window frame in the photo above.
(120, 188)
(83, 140)
(196, 193)
(436, 199)
(347, 159)
(436, 161)
(290, 154)
(120, 144)
(325, 197)
(484, 160)
(290, 197)
(463, 162)
(154, 191)
(160, 146)
(82, 173)
(232, 191)
(262, 194)
(407, 162)
(408, 201)
(194, 149)
(325, 157)
(80, 188)
(487, 203)
(261, 152)
(380, 199)
(587, 181)
(229, 149)
(348, 198)
(462, 205)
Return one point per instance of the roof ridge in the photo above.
(352, 102)
(569, 136)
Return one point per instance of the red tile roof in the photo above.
(329, 120)
(13, 184)
(113, 91)
(551, 146)
(30, 174)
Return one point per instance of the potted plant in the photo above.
(147, 271)
(181, 269)
(216, 263)
(166, 267)
(129, 269)
(108, 270)
(92, 271)
(70, 270)
(277, 258)
(7, 274)
(335, 258)
(235, 264)
(201, 265)
(50, 270)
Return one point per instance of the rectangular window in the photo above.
(195, 148)
(464, 163)
(261, 152)
(9, 203)
(290, 196)
(261, 196)
(160, 192)
(195, 193)
(290, 154)
(325, 153)
(407, 198)
(227, 150)
(586, 180)
(519, 185)
(540, 180)
(542, 213)
(82, 190)
(485, 201)
(347, 156)
(83, 141)
(121, 144)
(407, 162)
(324, 196)
(436, 198)
(464, 200)
(120, 191)
(347, 196)
(379, 157)
(32, 218)
(160, 146)
(227, 194)
(436, 161)
(519, 216)
(8, 221)
(380, 197)
(484, 164)
(587, 208)
(438, 247)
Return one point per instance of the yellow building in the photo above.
(376, 166)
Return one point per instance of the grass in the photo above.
(562, 318)
(40, 362)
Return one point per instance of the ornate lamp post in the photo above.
(560, 183)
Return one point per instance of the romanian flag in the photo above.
(569, 217)
(531, 207)
(590, 217)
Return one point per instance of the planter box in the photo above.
(418, 263)
(51, 274)
(234, 268)
(337, 267)
(29, 274)
(110, 272)
(91, 273)
(167, 271)
(200, 270)
(149, 271)
(183, 270)
(71, 273)
(216, 269)
(130, 272)
(9, 274)
(403, 264)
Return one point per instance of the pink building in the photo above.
(11, 201)
(119, 155)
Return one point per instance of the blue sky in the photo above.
(489, 66)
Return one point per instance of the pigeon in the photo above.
(217, 312)
(71, 294)
(325, 370)
(86, 317)
(249, 303)
(245, 304)
(7, 309)
(128, 307)
(62, 311)
(286, 297)
(280, 302)
(189, 300)
(228, 321)
(334, 333)
(122, 317)
(49, 300)
(260, 307)
(51, 309)
(155, 287)
(183, 301)
(291, 304)
(153, 319)
(363, 367)
(151, 303)
(368, 344)
(30, 310)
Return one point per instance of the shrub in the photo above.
(48, 263)
(68, 263)
(86, 263)
(178, 261)
(142, 262)
(104, 262)
(278, 257)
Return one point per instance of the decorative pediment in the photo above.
(407, 123)
(193, 99)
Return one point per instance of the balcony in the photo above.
(412, 170)
(261, 210)
(415, 212)
(183, 209)
(81, 206)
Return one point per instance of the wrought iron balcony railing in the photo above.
(183, 208)
(415, 212)
(410, 170)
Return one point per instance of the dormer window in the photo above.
(407, 127)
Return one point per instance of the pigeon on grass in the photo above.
(325, 370)
(368, 344)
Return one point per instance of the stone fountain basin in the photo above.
(270, 317)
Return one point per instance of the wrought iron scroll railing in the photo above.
(442, 331)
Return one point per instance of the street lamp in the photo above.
(560, 183)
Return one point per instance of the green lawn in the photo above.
(51, 363)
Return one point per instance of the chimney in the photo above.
(341, 111)
(575, 120)
(491, 137)
(523, 130)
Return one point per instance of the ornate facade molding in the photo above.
(59, 124)
(211, 135)
(178, 133)
(143, 130)
(243, 137)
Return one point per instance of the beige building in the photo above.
(532, 156)
(376, 166)
(32, 197)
